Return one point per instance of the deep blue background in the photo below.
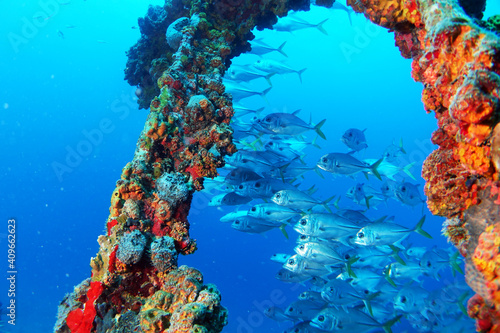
(54, 89)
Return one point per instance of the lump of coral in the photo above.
(131, 247)
(163, 253)
(172, 187)
(132, 209)
(198, 113)
(174, 32)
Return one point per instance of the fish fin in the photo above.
(454, 263)
(257, 113)
(299, 73)
(407, 168)
(317, 128)
(348, 266)
(460, 302)
(319, 26)
(388, 324)
(264, 93)
(316, 169)
(282, 228)
(282, 170)
(280, 49)
(311, 190)
(325, 203)
(366, 175)
(268, 78)
(367, 201)
(314, 142)
(418, 228)
(296, 112)
(401, 146)
(395, 254)
(336, 202)
(387, 275)
(374, 167)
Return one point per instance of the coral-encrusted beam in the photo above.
(459, 65)
(181, 57)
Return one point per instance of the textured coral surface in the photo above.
(178, 64)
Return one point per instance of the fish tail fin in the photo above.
(268, 78)
(282, 171)
(264, 93)
(367, 201)
(388, 324)
(254, 143)
(336, 202)
(454, 263)
(317, 128)
(367, 302)
(407, 168)
(401, 146)
(311, 190)
(395, 254)
(314, 142)
(374, 167)
(283, 230)
(299, 73)
(258, 111)
(349, 12)
(325, 203)
(348, 266)
(418, 228)
(316, 169)
(280, 49)
(320, 27)
(460, 302)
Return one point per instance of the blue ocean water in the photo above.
(62, 66)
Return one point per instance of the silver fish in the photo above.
(346, 164)
(273, 66)
(289, 124)
(247, 73)
(239, 91)
(384, 233)
(260, 48)
(274, 212)
(297, 199)
(408, 194)
(354, 139)
(410, 299)
(326, 226)
(229, 199)
(302, 266)
(291, 23)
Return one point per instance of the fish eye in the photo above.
(257, 184)
(240, 187)
(290, 309)
(253, 209)
(303, 237)
(361, 235)
(429, 264)
(321, 318)
(332, 289)
(278, 195)
(403, 188)
(301, 247)
(291, 262)
(403, 299)
(366, 291)
(268, 119)
(236, 221)
(324, 160)
(303, 222)
(347, 256)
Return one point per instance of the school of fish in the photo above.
(360, 272)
